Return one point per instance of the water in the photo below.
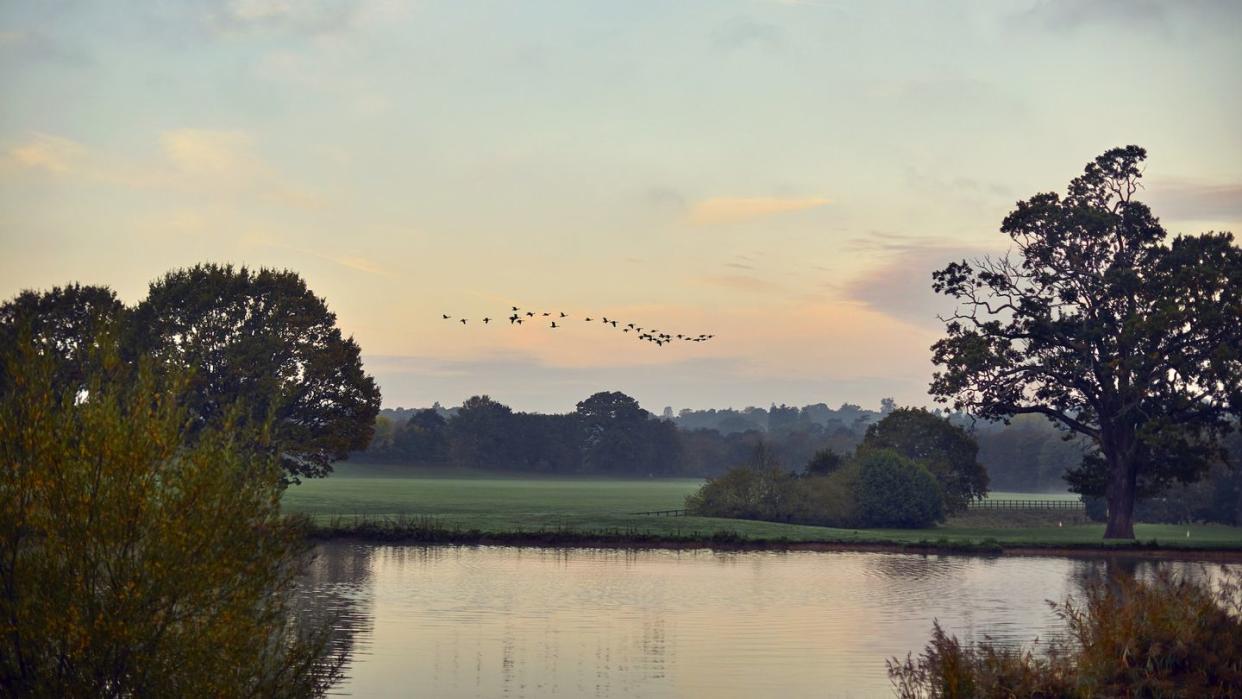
(521, 622)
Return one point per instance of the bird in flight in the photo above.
(556, 320)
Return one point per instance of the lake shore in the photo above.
(381, 531)
(394, 505)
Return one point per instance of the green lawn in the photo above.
(500, 503)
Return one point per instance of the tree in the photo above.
(893, 491)
(1103, 326)
(481, 433)
(940, 446)
(264, 340)
(612, 426)
(64, 322)
(824, 462)
(134, 561)
(423, 438)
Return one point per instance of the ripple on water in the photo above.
(525, 622)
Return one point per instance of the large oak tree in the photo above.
(262, 338)
(1100, 322)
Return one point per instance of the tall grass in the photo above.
(1170, 636)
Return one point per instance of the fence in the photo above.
(990, 504)
(663, 513)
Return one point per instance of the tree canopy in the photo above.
(65, 322)
(941, 447)
(259, 339)
(1102, 324)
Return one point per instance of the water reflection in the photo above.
(492, 621)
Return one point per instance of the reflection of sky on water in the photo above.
(485, 621)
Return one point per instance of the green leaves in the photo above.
(259, 339)
(1102, 326)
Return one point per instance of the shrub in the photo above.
(746, 492)
(133, 564)
(892, 491)
(1169, 637)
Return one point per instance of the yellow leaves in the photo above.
(135, 545)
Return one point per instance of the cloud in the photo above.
(665, 199)
(49, 153)
(525, 382)
(295, 16)
(900, 287)
(743, 282)
(37, 47)
(213, 153)
(719, 210)
(1195, 200)
(1153, 16)
(193, 161)
(360, 264)
(741, 33)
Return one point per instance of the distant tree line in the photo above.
(610, 433)
(1029, 455)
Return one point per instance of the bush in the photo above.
(134, 565)
(1170, 637)
(746, 492)
(892, 491)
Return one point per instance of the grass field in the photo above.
(494, 503)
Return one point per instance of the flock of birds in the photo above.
(652, 335)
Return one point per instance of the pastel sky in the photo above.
(784, 175)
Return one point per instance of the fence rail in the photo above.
(663, 513)
(989, 504)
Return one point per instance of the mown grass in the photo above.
(490, 505)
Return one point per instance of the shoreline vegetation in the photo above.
(394, 505)
(401, 530)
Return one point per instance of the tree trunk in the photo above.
(1122, 481)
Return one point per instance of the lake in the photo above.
(443, 621)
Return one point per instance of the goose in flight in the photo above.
(486, 321)
(555, 325)
(445, 316)
(463, 320)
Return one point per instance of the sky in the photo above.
(784, 175)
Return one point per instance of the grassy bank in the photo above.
(395, 504)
